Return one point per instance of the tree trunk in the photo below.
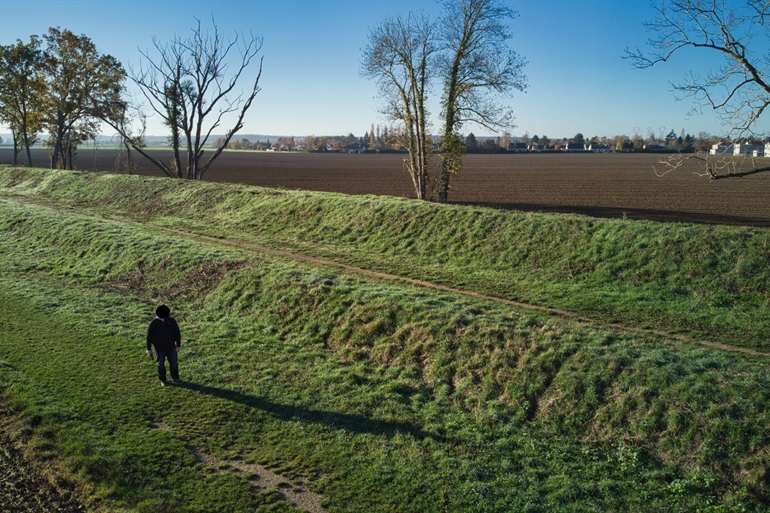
(55, 153)
(448, 144)
(26, 145)
(57, 148)
(15, 149)
(129, 158)
(443, 184)
(69, 154)
(177, 161)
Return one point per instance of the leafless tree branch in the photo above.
(738, 91)
(190, 86)
(716, 167)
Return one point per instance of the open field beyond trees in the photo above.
(601, 185)
(312, 363)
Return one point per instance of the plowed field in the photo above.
(602, 185)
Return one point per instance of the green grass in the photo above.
(383, 396)
(709, 282)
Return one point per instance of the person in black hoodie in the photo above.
(163, 335)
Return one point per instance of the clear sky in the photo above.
(578, 80)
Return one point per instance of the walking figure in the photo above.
(163, 335)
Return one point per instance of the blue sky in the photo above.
(578, 81)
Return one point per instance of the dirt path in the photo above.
(261, 478)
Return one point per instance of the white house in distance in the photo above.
(751, 150)
(571, 146)
(597, 148)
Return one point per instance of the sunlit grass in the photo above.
(710, 282)
(383, 396)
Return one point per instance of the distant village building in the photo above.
(721, 149)
(518, 147)
(353, 148)
(597, 148)
(746, 149)
(752, 150)
(656, 147)
(573, 147)
(540, 147)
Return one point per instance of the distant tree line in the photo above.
(380, 138)
(383, 139)
(682, 142)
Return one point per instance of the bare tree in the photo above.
(189, 86)
(505, 140)
(398, 57)
(738, 91)
(122, 115)
(714, 166)
(477, 66)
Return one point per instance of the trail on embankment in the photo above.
(452, 290)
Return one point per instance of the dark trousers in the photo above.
(162, 355)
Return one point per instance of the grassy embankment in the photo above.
(711, 282)
(383, 396)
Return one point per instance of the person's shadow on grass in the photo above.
(346, 421)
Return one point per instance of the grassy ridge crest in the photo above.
(711, 282)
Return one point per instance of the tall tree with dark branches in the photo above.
(190, 86)
(738, 90)
(79, 82)
(398, 57)
(477, 66)
(22, 87)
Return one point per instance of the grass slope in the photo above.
(382, 396)
(706, 281)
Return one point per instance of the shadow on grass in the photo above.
(632, 213)
(346, 421)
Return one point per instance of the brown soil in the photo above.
(599, 185)
(22, 488)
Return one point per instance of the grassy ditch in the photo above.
(709, 282)
(377, 395)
